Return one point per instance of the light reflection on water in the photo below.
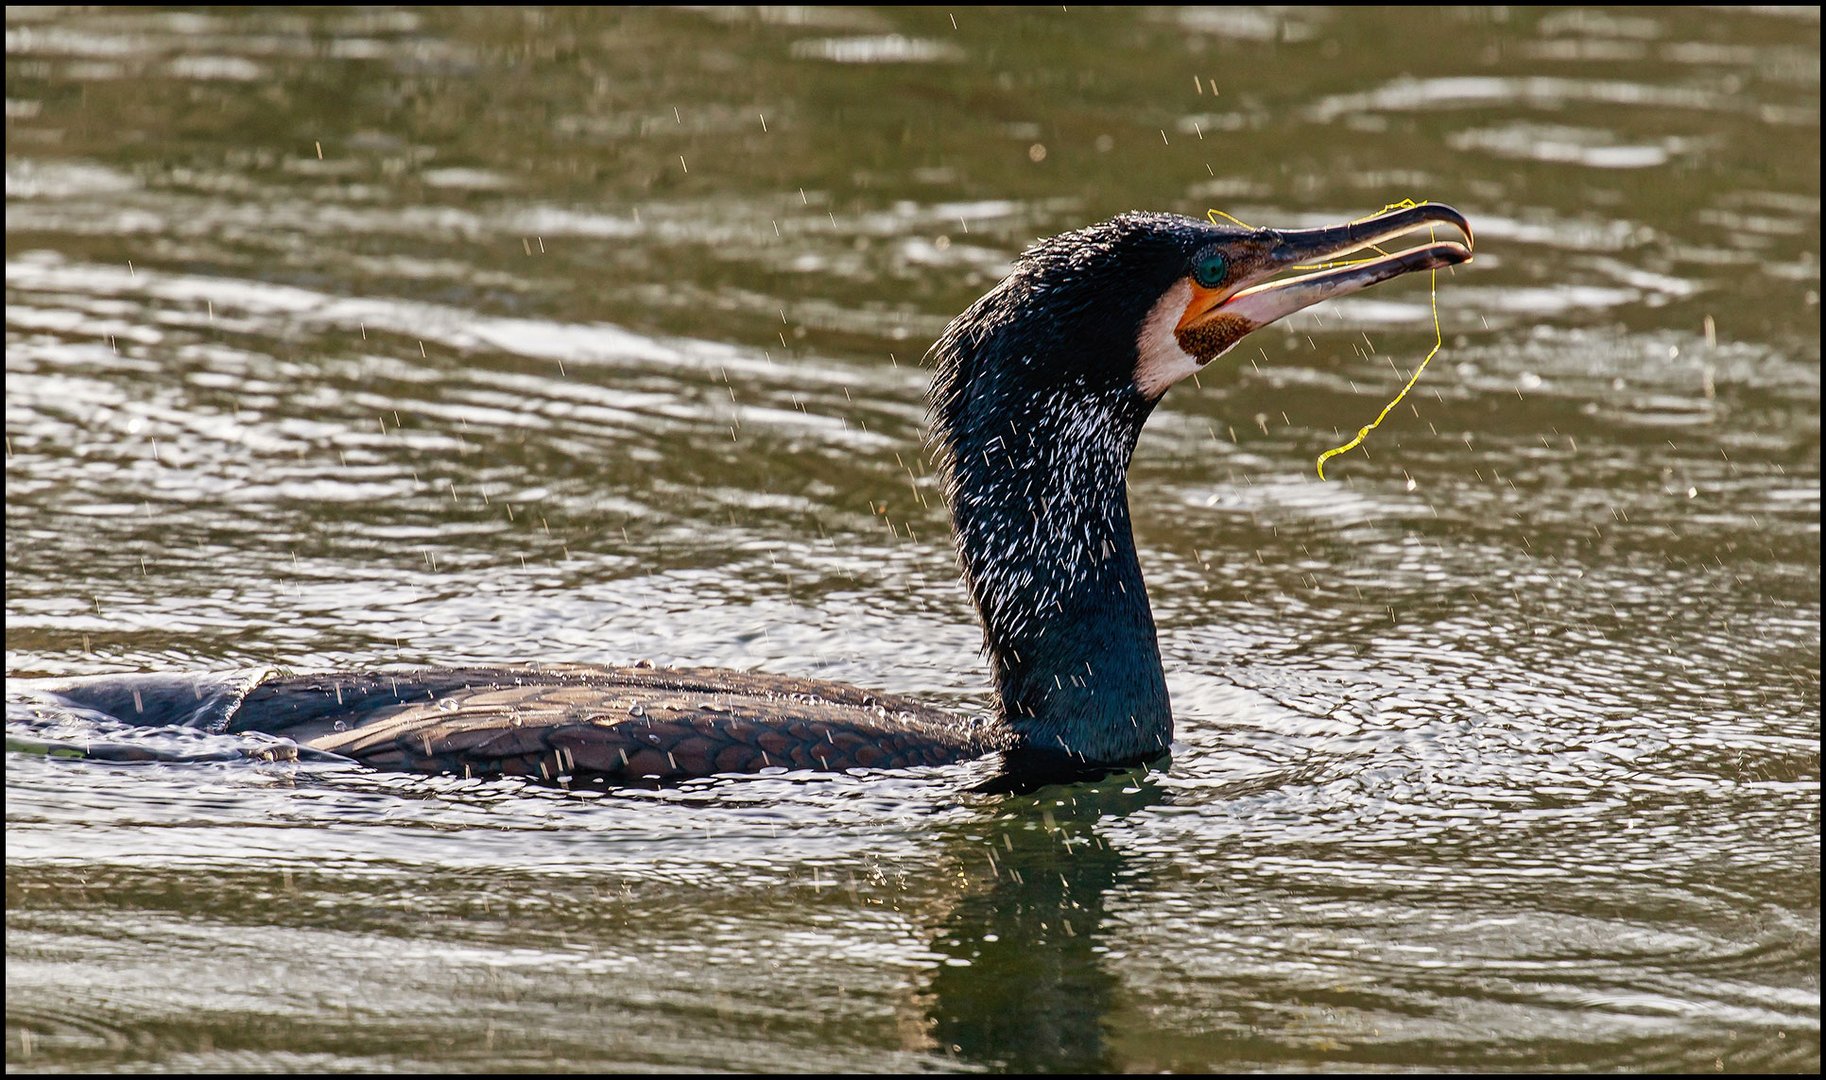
(1500, 751)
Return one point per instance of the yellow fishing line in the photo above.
(1438, 338)
(1213, 215)
(1364, 431)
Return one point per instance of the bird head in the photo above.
(1135, 304)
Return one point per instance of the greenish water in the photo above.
(341, 338)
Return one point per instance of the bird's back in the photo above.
(558, 721)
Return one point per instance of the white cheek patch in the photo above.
(1162, 362)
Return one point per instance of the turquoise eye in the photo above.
(1210, 269)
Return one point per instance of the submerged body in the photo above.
(1041, 391)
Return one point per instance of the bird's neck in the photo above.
(1039, 499)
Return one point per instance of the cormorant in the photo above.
(1041, 390)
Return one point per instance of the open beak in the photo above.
(1226, 316)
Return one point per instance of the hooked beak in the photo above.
(1208, 328)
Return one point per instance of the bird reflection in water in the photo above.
(1024, 985)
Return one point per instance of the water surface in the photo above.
(354, 338)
